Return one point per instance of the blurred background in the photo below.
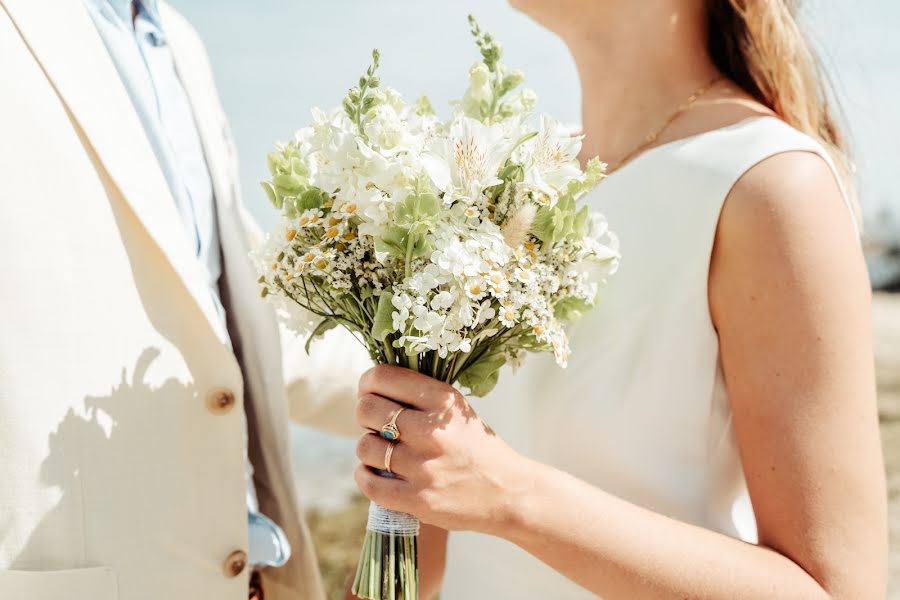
(275, 59)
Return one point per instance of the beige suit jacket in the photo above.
(121, 450)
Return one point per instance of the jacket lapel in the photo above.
(64, 41)
(257, 331)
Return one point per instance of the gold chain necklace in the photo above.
(654, 135)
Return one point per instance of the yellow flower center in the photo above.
(332, 233)
(290, 234)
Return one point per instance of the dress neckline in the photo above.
(649, 152)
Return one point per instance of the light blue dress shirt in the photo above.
(137, 45)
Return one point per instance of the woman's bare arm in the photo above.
(790, 298)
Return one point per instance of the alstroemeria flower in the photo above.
(467, 161)
(551, 160)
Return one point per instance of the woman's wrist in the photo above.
(524, 488)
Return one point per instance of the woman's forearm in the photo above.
(432, 560)
(618, 550)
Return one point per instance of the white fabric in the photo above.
(108, 343)
(642, 411)
(387, 521)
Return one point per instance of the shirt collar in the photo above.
(122, 9)
(151, 8)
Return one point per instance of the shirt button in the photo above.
(235, 563)
(220, 401)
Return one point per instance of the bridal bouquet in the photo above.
(452, 247)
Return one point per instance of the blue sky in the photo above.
(274, 59)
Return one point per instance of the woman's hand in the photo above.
(452, 470)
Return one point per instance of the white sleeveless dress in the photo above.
(642, 411)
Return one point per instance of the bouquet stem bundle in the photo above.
(388, 567)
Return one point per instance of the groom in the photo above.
(143, 408)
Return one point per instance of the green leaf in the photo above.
(419, 207)
(275, 163)
(393, 242)
(311, 198)
(289, 184)
(424, 107)
(276, 201)
(325, 325)
(482, 376)
(291, 211)
(383, 323)
(298, 168)
(580, 222)
(571, 309)
(549, 225)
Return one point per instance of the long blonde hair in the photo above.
(760, 46)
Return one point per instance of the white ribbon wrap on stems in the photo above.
(390, 522)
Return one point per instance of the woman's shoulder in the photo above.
(794, 186)
(786, 219)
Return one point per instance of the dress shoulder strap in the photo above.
(740, 147)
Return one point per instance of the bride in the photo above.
(716, 432)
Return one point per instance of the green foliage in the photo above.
(594, 172)
(358, 101)
(564, 220)
(382, 324)
(490, 82)
(482, 376)
(424, 107)
(323, 326)
(571, 309)
(491, 50)
(289, 189)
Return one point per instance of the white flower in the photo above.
(423, 282)
(442, 301)
(508, 317)
(467, 161)
(462, 345)
(485, 313)
(402, 302)
(426, 320)
(480, 93)
(552, 159)
(389, 132)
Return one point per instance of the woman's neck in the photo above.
(636, 69)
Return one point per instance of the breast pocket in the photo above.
(98, 583)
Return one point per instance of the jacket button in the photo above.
(235, 563)
(220, 402)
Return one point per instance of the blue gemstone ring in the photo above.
(390, 431)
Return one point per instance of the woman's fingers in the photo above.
(389, 493)
(372, 450)
(373, 412)
(408, 387)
